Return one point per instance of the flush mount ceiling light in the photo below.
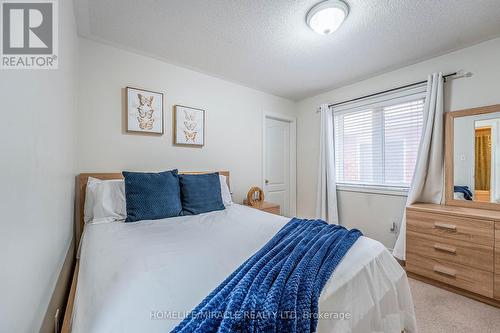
(327, 16)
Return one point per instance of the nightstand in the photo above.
(265, 206)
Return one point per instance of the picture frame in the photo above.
(144, 111)
(189, 126)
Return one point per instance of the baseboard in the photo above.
(61, 291)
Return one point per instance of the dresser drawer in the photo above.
(452, 227)
(450, 250)
(473, 280)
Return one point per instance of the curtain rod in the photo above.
(457, 74)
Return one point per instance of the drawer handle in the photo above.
(445, 248)
(445, 226)
(444, 270)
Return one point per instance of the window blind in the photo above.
(377, 144)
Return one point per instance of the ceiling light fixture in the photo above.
(327, 16)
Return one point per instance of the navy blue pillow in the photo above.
(151, 196)
(200, 193)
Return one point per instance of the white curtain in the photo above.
(428, 178)
(326, 198)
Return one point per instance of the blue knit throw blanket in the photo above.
(277, 289)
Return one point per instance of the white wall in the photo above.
(233, 118)
(463, 157)
(374, 213)
(37, 171)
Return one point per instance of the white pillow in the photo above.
(104, 201)
(224, 191)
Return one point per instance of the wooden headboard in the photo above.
(81, 188)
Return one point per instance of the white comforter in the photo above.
(143, 277)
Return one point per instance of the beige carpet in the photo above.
(441, 311)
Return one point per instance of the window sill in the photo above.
(395, 191)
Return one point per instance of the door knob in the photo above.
(266, 181)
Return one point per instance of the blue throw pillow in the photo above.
(200, 193)
(151, 196)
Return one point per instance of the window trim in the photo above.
(400, 96)
(373, 189)
(414, 92)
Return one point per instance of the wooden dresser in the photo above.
(455, 248)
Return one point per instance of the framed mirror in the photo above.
(473, 157)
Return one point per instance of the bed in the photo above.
(146, 276)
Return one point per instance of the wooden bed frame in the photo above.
(80, 189)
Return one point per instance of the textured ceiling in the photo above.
(265, 44)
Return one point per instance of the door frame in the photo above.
(293, 155)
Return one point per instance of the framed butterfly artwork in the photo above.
(144, 111)
(189, 126)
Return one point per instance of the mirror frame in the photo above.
(449, 171)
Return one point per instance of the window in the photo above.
(377, 141)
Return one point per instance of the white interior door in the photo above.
(277, 163)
